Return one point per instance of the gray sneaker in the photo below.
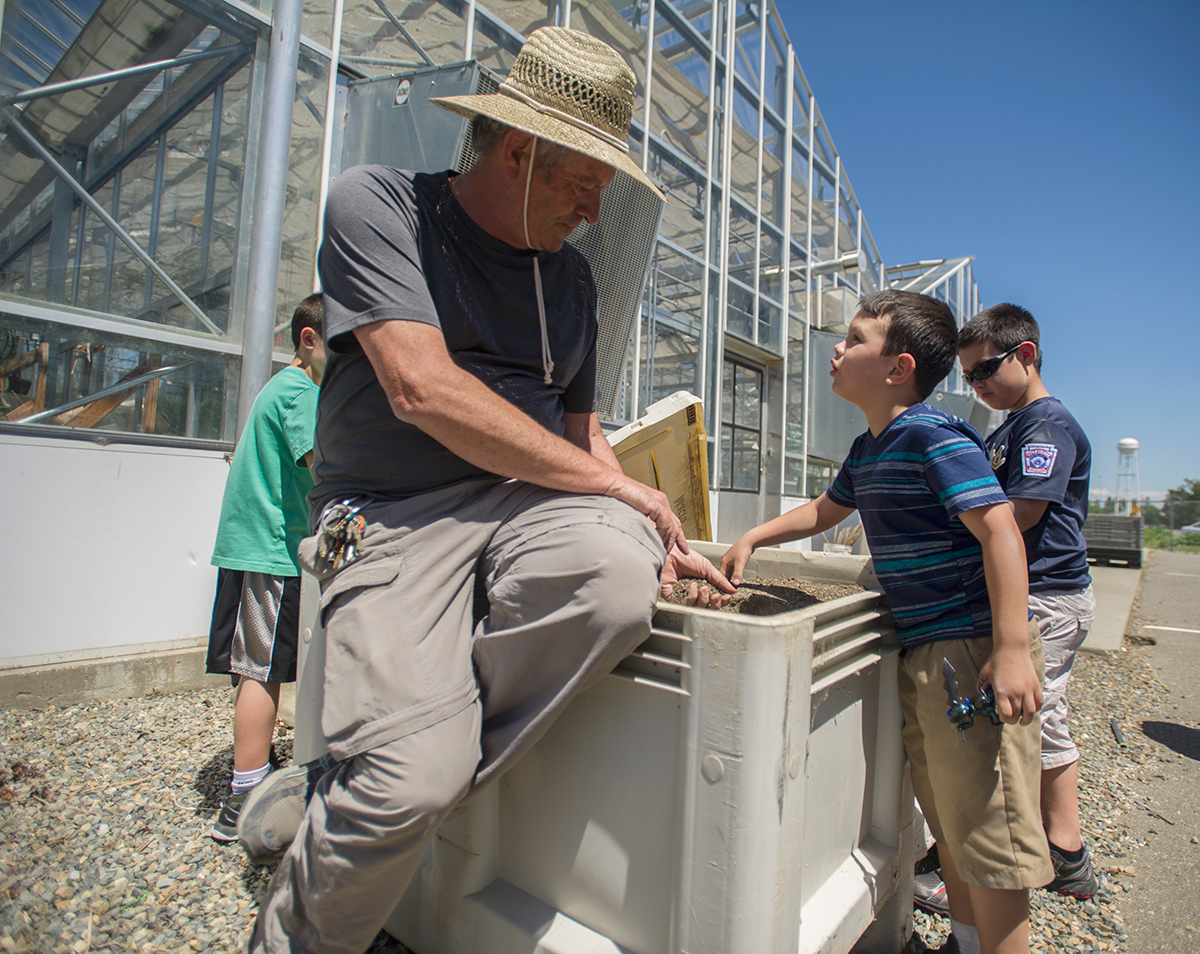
(272, 812)
(1075, 879)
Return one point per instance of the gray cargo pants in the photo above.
(423, 705)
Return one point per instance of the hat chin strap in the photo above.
(547, 362)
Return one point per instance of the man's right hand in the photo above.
(654, 504)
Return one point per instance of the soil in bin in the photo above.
(769, 597)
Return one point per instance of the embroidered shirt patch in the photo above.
(1037, 460)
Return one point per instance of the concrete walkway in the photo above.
(1116, 588)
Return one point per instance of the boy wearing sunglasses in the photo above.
(1042, 459)
(948, 554)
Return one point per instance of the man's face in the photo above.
(563, 199)
(859, 366)
(1006, 385)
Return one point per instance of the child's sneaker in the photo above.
(1073, 878)
(225, 828)
(929, 893)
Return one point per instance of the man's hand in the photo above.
(655, 505)
(681, 564)
(1015, 685)
(733, 563)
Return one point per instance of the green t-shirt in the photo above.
(264, 515)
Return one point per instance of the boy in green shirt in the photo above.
(264, 516)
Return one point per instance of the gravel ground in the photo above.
(105, 811)
(1104, 686)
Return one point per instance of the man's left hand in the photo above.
(680, 564)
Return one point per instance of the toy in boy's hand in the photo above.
(963, 709)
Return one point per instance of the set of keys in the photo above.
(963, 709)
(341, 528)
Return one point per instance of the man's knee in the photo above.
(626, 575)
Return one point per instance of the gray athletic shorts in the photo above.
(1064, 618)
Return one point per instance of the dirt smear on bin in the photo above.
(769, 597)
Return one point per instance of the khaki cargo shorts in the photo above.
(980, 794)
(1064, 618)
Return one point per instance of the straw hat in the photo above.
(569, 88)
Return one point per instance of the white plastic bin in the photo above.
(737, 787)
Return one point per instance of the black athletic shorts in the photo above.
(255, 626)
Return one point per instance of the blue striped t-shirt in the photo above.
(910, 484)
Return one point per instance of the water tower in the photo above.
(1128, 487)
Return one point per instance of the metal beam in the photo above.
(270, 196)
(113, 76)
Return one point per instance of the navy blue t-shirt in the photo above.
(1041, 453)
(910, 484)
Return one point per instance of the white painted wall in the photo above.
(104, 550)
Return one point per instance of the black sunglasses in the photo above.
(989, 366)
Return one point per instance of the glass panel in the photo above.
(823, 213)
(746, 46)
(696, 12)
(824, 145)
(739, 317)
(793, 427)
(848, 213)
(683, 216)
(679, 106)
(727, 392)
(726, 456)
(741, 243)
(317, 21)
(747, 397)
(772, 172)
(770, 279)
(673, 359)
(799, 199)
(69, 365)
(770, 326)
(745, 469)
(775, 78)
(744, 164)
(525, 16)
(714, 221)
(793, 476)
(800, 104)
(372, 41)
(679, 283)
(820, 476)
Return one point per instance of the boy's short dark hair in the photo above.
(918, 325)
(310, 313)
(1004, 327)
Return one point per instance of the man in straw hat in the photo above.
(483, 558)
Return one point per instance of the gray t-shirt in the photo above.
(399, 246)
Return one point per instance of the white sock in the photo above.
(967, 937)
(244, 781)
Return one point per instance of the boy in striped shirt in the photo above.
(950, 557)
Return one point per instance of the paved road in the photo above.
(1163, 910)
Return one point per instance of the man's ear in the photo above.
(904, 366)
(514, 152)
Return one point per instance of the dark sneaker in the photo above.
(929, 893)
(1075, 879)
(225, 828)
(274, 809)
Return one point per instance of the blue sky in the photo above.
(1058, 143)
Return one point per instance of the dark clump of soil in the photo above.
(780, 594)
